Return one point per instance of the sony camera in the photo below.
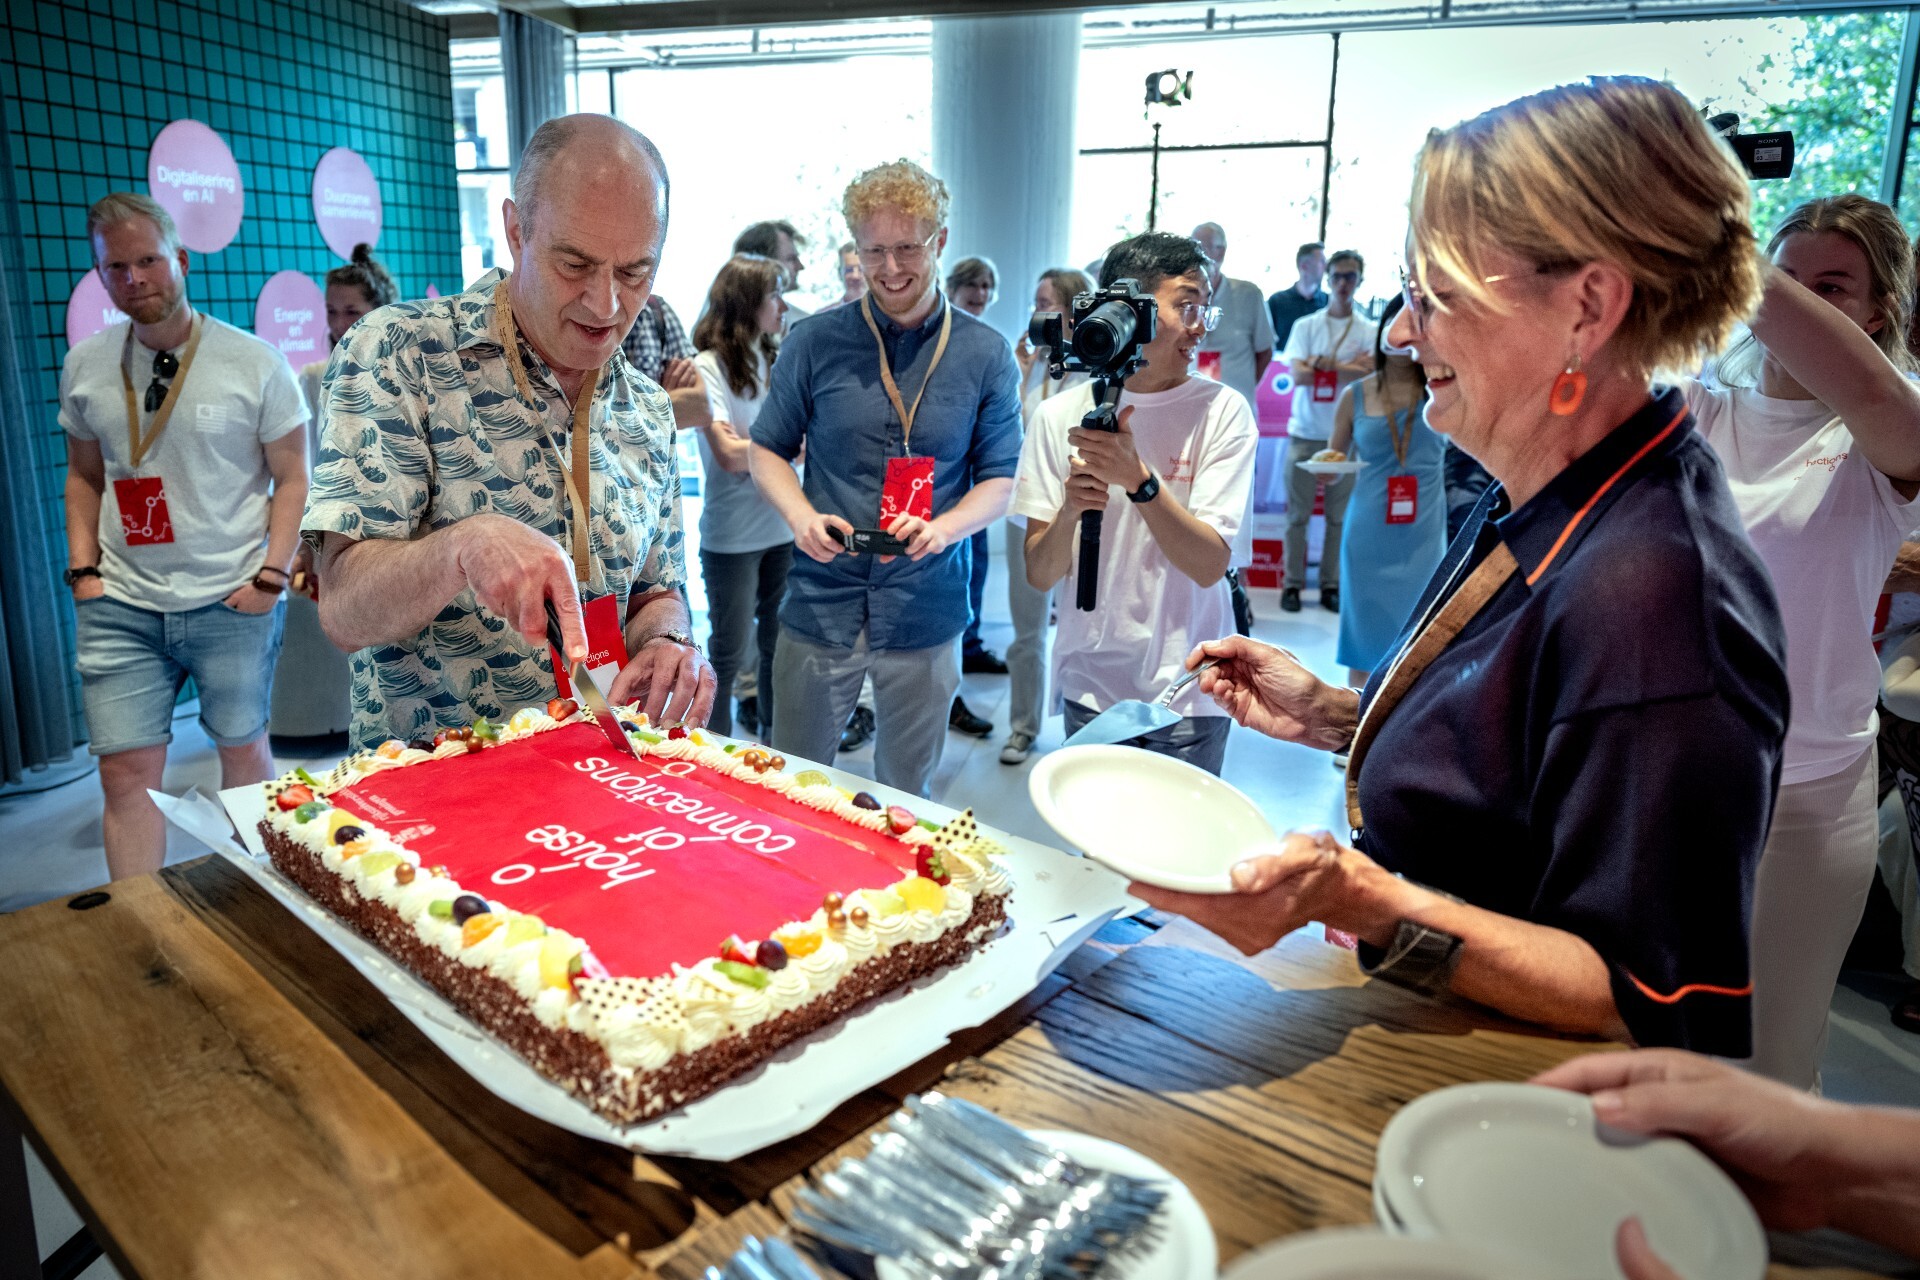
(1110, 326)
(1762, 155)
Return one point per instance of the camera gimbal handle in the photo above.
(1106, 398)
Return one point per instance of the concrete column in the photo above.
(1004, 98)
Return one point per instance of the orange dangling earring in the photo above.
(1569, 389)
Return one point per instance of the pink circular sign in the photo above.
(291, 313)
(346, 201)
(194, 176)
(90, 310)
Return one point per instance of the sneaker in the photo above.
(1290, 600)
(1330, 599)
(1019, 747)
(1340, 761)
(1905, 1011)
(859, 729)
(963, 719)
(983, 662)
(746, 715)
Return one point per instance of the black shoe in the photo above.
(1290, 600)
(746, 715)
(859, 729)
(966, 722)
(1330, 599)
(983, 662)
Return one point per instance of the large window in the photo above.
(747, 140)
(746, 143)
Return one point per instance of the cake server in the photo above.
(1124, 721)
(589, 693)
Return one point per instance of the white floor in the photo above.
(51, 844)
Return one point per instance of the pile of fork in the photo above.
(952, 1192)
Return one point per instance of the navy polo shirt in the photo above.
(1287, 306)
(826, 394)
(1598, 749)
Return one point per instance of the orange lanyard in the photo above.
(137, 444)
(906, 411)
(580, 477)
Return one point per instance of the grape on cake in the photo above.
(640, 931)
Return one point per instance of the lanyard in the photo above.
(1446, 620)
(138, 445)
(580, 477)
(1402, 439)
(1334, 350)
(1408, 665)
(905, 411)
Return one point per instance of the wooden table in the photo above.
(220, 1094)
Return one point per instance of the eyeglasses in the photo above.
(1198, 313)
(1351, 277)
(1420, 306)
(165, 365)
(909, 256)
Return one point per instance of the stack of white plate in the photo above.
(1528, 1173)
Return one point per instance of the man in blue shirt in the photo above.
(1303, 297)
(905, 406)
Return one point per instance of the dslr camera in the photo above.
(1762, 155)
(1110, 326)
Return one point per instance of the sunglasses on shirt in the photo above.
(165, 365)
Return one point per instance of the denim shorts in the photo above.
(133, 662)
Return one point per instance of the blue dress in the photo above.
(1384, 567)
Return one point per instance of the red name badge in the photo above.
(1210, 365)
(1403, 499)
(143, 511)
(908, 490)
(1326, 385)
(606, 645)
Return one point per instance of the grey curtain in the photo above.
(536, 57)
(36, 716)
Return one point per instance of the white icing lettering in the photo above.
(590, 764)
(514, 873)
(678, 768)
(630, 873)
(780, 844)
(742, 836)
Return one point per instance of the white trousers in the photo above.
(1807, 900)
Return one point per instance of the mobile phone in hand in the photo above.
(868, 542)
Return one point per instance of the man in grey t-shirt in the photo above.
(1243, 338)
(186, 474)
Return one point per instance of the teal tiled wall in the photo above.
(88, 83)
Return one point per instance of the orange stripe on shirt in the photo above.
(1599, 493)
(1692, 988)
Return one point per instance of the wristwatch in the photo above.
(1420, 958)
(678, 637)
(84, 571)
(1148, 491)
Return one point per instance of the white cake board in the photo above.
(1058, 901)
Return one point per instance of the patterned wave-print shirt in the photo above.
(419, 428)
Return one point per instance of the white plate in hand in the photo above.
(1527, 1170)
(1366, 1253)
(1150, 817)
(1331, 468)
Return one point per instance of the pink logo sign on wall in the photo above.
(346, 201)
(90, 310)
(291, 313)
(194, 176)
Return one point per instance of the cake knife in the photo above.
(590, 695)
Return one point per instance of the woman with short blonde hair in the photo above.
(1561, 775)
(1818, 427)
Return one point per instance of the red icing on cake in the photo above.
(538, 826)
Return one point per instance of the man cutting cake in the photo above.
(466, 443)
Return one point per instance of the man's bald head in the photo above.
(581, 150)
(1214, 241)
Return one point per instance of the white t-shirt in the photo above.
(1199, 439)
(1827, 526)
(734, 518)
(1319, 335)
(238, 396)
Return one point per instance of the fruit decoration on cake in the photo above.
(641, 931)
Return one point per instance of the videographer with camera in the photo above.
(909, 411)
(1173, 484)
